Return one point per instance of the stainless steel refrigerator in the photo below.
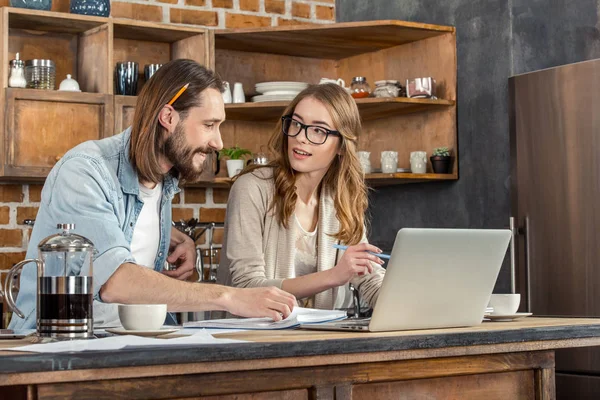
(555, 203)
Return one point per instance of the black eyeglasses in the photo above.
(315, 134)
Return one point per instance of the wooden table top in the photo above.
(303, 347)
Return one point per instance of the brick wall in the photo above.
(19, 202)
(219, 13)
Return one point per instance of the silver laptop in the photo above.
(436, 278)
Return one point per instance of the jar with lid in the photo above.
(359, 88)
(17, 73)
(40, 74)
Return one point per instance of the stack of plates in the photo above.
(278, 91)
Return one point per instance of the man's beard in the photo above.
(178, 153)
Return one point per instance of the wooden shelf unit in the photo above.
(48, 123)
(377, 50)
(88, 48)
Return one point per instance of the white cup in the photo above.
(418, 162)
(365, 161)
(227, 93)
(505, 304)
(142, 317)
(238, 93)
(389, 162)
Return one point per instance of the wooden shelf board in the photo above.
(50, 21)
(152, 32)
(373, 180)
(336, 41)
(372, 108)
(56, 95)
(381, 179)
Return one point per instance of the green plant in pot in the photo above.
(235, 162)
(441, 160)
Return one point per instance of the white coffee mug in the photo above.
(418, 162)
(142, 317)
(505, 304)
(227, 93)
(238, 93)
(389, 162)
(338, 81)
(365, 161)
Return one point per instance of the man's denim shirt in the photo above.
(95, 187)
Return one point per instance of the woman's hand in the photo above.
(355, 261)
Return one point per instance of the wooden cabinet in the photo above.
(88, 48)
(41, 126)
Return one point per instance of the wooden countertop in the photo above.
(270, 349)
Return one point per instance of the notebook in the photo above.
(436, 278)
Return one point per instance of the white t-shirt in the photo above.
(306, 251)
(144, 246)
(146, 234)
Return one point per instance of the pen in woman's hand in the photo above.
(380, 255)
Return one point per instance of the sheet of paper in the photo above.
(202, 337)
(298, 316)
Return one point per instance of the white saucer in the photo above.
(158, 332)
(507, 317)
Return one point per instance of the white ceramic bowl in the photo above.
(505, 304)
(142, 317)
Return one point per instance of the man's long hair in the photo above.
(147, 134)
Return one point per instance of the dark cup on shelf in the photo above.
(126, 78)
(150, 69)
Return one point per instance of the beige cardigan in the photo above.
(258, 251)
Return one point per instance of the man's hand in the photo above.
(183, 254)
(260, 302)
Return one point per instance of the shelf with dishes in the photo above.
(370, 108)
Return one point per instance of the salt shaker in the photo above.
(17, 73)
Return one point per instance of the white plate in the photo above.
(158, 332)
(264, 97)
(281, 93)
(276, 86)
(508, 317)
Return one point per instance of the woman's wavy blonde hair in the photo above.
(344, 178)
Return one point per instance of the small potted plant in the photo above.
(235, 163)
(441, 161)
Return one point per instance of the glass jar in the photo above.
(40, 74)
(359, 89)
(17, 73)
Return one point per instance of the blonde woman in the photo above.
(283, 219)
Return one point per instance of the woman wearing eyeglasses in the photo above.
(283, 219)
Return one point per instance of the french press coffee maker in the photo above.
(64, 286)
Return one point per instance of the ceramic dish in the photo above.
(507, 317)
(158, 332)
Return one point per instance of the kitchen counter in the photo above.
(511, 359)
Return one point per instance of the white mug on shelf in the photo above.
(338, 81)
(418, 162)
(227, 93)
(365, 161)
(389, 162)
(238, 93)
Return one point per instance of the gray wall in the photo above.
(495, 40)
